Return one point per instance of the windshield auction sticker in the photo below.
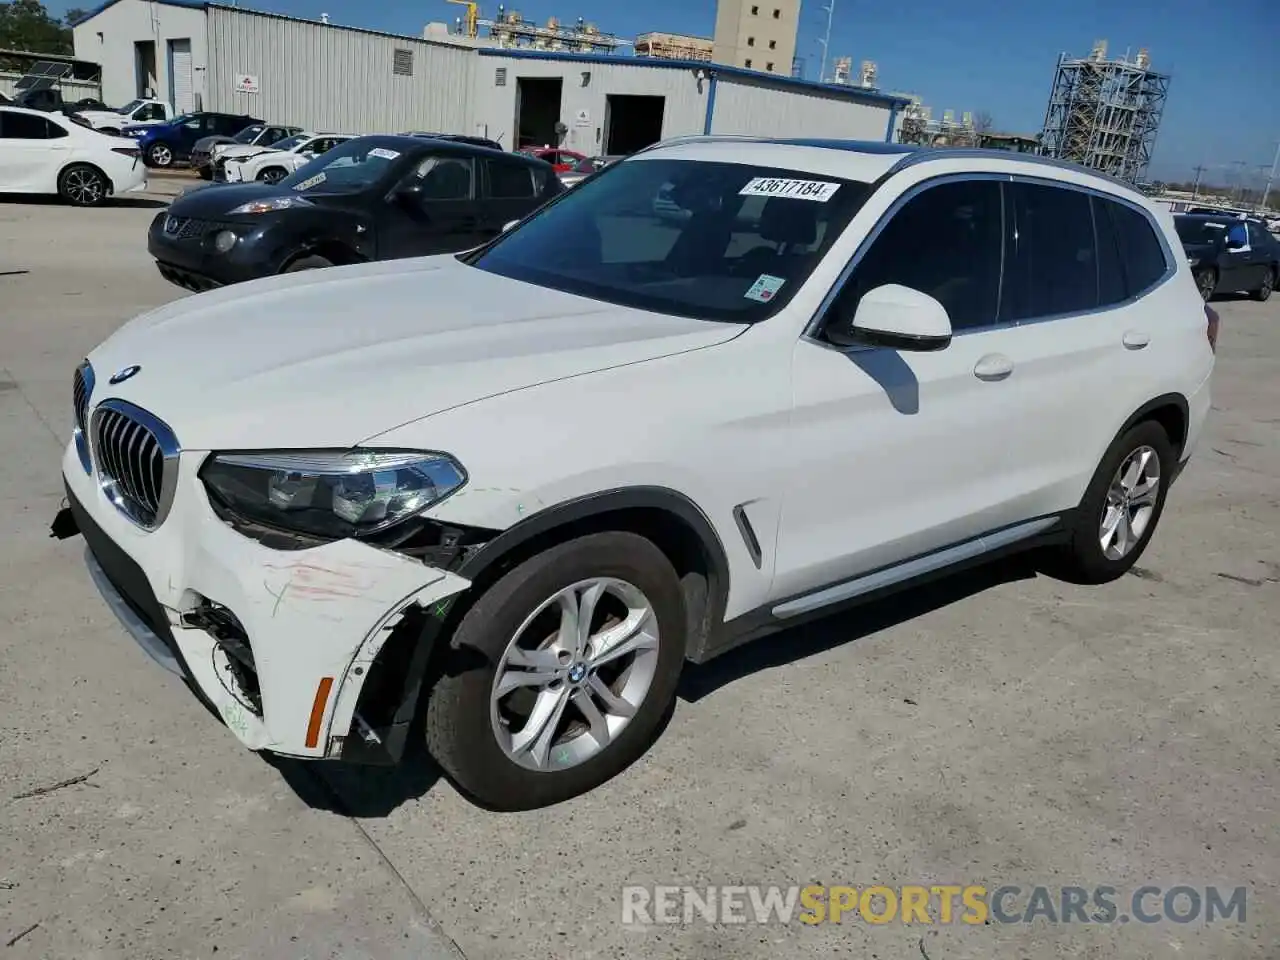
(382, 153)
(310, 182)
(818, 190)
(765, 288)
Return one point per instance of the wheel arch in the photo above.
(71, 164)
(1171, 411)
(335, 251)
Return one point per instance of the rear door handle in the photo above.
(994, 366)
(1135, 339)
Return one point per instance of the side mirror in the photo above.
(411, 194)
(895, 317)
(508, 225)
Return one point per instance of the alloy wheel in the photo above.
(1130, 504)
(575, 674)
(161, 155)
(84, 187)
(1206, 281)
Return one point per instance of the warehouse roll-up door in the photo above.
(181, 87)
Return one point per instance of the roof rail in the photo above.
(925, 154)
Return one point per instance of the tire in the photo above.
(1206, 282)
(206, 173)
(1083, 559)
(82, 185)
(1263, 293)
(476, 743)
(272, 175)
(308, 262)
(160, 155)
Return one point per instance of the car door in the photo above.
(1261, 255)
(187, 133)
(433, 210)
(1236, 271)
(32, 151)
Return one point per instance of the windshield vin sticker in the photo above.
(382, 153)
(310, 182)
(765, 288)
(818, 190)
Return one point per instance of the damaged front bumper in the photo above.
(313, 653)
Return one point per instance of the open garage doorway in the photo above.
(631, 123)
(537, 111)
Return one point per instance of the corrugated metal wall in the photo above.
(583, 108)
(750, 109)
(340, 80)
(72, 90)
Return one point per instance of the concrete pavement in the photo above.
(997, 728)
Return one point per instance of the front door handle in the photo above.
(1135, 339)
(994, 366)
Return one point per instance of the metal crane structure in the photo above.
(1105, 113)
(510, 29)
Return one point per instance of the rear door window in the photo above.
(1051, 266)
(510, 181)
(1111, 283)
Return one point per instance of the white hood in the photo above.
(108, 116)
(241, 151)
(332, 357)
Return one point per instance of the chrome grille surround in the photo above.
(82, 382)
(137, 458)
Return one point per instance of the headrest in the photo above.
(784, 220)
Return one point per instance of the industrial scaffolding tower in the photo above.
(1105, 114)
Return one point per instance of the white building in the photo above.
(324, 76)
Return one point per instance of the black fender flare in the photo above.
(1144, 413)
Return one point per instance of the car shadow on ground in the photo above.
(372, 792)
(42, 200)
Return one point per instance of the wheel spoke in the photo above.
(539, 731)
(1110, 526)
(598, 726)
(613, 703)
(515, 679)
(544, 660)
(1137, 464)
(1124, 533)
(633, 644)
(570, 614)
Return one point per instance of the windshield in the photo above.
(248, 134)
(354, 165)
(288, 143)
(1192, 230)
(129, 107)
(588, 165)
(716, 241)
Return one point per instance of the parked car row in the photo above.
(49, 153)
(1230, 253)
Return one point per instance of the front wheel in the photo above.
(1263, 293)
(1206, 282)
(83, 186)
(272, 175)
(309, 262)
(1120, 509)
(160, 155)
(561, 674)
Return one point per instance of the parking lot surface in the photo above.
(997, 728)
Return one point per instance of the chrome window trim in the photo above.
(813, 327)
(77, 435)
(170, 451)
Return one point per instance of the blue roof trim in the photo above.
(856, 94)
(189, 4)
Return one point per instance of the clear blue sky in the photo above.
(992, 55)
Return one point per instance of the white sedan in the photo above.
(49, 153)
(274, 163)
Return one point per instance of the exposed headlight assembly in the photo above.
(270, 205)
(331, 494)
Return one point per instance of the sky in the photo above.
(996, 56)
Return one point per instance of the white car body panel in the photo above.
(33, 166)
(244, 165)
(98, 119)
(840, 465)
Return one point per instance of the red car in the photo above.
(562, 160)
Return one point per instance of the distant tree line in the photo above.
(26, 26)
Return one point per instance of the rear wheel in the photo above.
(1120, 509)
(1263, 292)
(206, 173)
(160, 155)
(561, 674)
(308, 262)
(1206, 282)
(272, 175)
(83, 185)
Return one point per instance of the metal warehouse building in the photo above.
(328, 77)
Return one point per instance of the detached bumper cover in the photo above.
(315, 619)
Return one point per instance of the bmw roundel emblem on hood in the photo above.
(120, 376)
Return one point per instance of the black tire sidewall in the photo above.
(459, 732)
(308, 261)
(1090, 564)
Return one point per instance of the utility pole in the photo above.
(1266, 193)
(1238, 193)
(830, 8)
(1195, 188)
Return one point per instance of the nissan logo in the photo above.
(171, 224)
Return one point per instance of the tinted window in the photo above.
(1050, 264)
(152, 111)
(1197, 230)
(509, 181)
(1258, 238)
(354, 165)
(1111, 285)
(445, 178)
(23, 126)
(945, 242)
(1144, 261)
(672, 236)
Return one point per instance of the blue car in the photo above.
(164, 144)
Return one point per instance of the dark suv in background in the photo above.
(165, 144)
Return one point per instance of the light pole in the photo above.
(1266, 192)
(830, 8)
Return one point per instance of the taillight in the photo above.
(1211, 326)
(127, 151)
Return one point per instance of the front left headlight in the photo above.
(270, 205)
(331, 494)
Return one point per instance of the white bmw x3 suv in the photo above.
(722, 386)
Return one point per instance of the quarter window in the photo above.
(945, 242)
(509, 181)
(1051, 264)
(1144, 259)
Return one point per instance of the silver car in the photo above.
(585, 168)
